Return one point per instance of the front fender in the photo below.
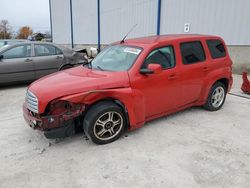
(133, 101)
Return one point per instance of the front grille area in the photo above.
(32, 102)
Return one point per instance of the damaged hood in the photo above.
(75, 80)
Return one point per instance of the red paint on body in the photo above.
(145, 97)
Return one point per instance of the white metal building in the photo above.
(89, 22)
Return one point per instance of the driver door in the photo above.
(17, 64)
(161, 90)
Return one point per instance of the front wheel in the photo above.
(216, 97)
(104, 122)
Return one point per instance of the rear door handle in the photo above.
(58, 57)
(28, 60)
(172, 76)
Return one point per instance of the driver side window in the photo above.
(163, 56)
(17, 52)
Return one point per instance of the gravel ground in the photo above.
(192, 148)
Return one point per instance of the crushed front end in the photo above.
(57, 121)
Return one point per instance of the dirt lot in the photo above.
(192, 148)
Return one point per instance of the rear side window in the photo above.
(216, 48)
(44, 50)
(58, 51)
(192, 52)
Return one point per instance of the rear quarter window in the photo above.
(192, 52)
(58, 51)
(44, 50)
(216, 49)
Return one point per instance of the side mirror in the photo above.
(152, 68)
(146, 71)
(1, 57)
(156, 68)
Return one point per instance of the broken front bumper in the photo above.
(53, 126)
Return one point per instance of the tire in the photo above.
(216, 97)
(64, 67)
(104, 122)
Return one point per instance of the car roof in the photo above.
(161, 38)
(39, 42)
(13, 40)
(64, 49)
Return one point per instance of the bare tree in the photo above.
(5, 29)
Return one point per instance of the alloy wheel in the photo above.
(108, 125)
(218, 97)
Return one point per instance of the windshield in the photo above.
(116, 58)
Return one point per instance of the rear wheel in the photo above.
(104, 122)
(216, 97)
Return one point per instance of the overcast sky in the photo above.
(34, 13)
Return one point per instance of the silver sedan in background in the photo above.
(4, 42)
(28, 61)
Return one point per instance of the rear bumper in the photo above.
(230, 83)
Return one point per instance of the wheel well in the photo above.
(224, 81)
(116, 101)
(65, 65)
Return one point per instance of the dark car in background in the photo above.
(28, 61)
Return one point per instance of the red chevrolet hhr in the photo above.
(130, 83)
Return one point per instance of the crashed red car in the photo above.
(129, 83)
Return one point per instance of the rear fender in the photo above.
(211, 79)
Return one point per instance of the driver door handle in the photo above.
(28, 60)
(59, 57)
(172, 76)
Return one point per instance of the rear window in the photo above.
(192, 52)
(44, 50)
(216, 48)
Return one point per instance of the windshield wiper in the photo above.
(100, 68)
(88, 63)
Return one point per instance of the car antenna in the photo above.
(122, 41)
